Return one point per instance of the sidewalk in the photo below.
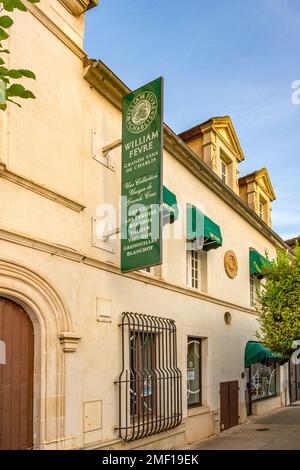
(279, 430)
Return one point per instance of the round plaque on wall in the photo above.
(231, 264)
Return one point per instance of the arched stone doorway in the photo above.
(54, 336)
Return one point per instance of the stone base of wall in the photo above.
(168, 440)
(265, 406)
(199, 424)
(242, 413)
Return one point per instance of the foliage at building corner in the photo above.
(279, 313)
(9, 90)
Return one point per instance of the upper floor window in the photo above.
(223, 171)
(193, 273)
(255, 287)
(152, 270)
(261, 209)
(148, 269)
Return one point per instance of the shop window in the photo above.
(262, 381)
(150, 383)
(194, 382)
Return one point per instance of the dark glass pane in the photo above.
(262, 381)
(194, 372)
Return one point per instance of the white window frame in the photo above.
(261, 210)
(193, 265)
(153, 271)
(148, 270)
(255, 282)
(224, 171)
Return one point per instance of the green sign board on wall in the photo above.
(142, 147)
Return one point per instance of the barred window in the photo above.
(142, 358)
(150, 383)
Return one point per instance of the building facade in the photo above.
(71, 321)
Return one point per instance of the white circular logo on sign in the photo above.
(141, 112)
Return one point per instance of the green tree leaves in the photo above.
(6, 22)
(11, 5)
(13, 73)
(18, 90)
(8, 90)
(3, 34)
(27, 73)
(280, 303)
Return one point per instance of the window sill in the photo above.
(198, 410)
(196, 289)
(149, 275)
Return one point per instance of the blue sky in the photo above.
(218, 57)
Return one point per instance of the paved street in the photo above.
(277, 431)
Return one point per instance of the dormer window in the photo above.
(223, 171)
(256, 190)
(261, 210)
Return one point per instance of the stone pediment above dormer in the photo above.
(77, 7)
(222, 128)
(225, 131)
(262, 179)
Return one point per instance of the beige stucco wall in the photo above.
(49, 141)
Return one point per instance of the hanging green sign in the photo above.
(142, 147)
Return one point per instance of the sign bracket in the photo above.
(109, 147)
(106, 235)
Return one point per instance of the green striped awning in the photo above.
(257, 262)
(170, 206)
(199, 225)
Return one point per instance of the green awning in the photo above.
(257, 262)
(199, 225)
(170, 207)
(257, 352)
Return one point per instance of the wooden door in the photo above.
(233, 403)
(16, 377)
(229, 404)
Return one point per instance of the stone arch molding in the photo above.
(54, 336)
(29, 287)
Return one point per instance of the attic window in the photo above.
(262, 209)
(223, 171)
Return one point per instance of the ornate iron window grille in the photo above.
(150, 383)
